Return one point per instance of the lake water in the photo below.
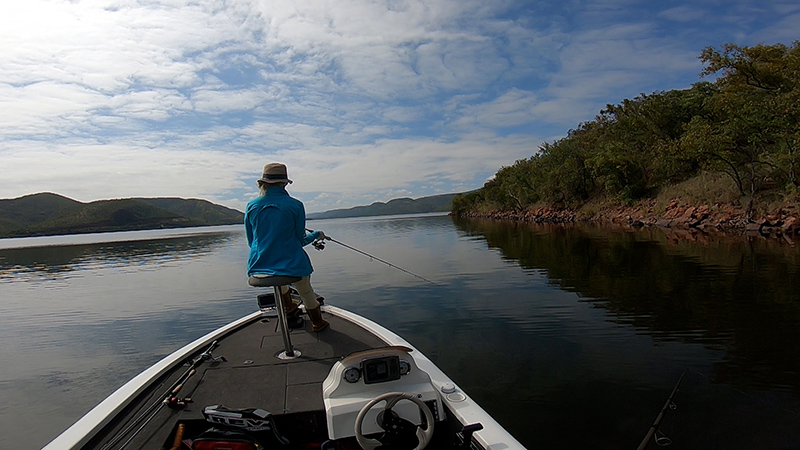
(572, 338)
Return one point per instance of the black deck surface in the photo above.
(252, 377)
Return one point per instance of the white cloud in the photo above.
(154, 104)
(45, 108)
(513, 108)
(456, 66)
(363, 99)
(782, 31)
(90, 171)
(685, 13)
(222, 101)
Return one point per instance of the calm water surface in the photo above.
(571, 337)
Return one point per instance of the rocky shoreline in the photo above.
(783, 222)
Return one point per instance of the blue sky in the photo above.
(363, 100)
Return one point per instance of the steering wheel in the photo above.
(393, 425)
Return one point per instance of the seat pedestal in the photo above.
(276, 281)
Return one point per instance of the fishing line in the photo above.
(752, 397)
(372, 257)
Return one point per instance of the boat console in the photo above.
(358, 383)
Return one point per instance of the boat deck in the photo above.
(250, 377)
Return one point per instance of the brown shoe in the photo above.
(317, 322)
(289, 306)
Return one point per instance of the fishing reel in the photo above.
(319, 243)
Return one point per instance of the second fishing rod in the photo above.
(320, 245)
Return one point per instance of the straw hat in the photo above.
(274, 173)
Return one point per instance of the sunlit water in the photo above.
(571, 337)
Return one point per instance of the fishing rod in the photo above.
(164, 398)
(657, 422)
(319, 245)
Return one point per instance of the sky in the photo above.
(364, 101)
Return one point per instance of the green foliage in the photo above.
(746, 125)
(49, 214)
(197, 209)
(33, 209)
(563, 171)
(751, 127)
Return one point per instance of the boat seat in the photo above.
(276, 281)
(271, 280)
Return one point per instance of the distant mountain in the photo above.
(49, 214)
(436, 203)
(203, 210)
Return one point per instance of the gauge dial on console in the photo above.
(352, 374)
(405, 367)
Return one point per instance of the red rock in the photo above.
(752, 227)
(687, 215)
(664, 223)
(790, 225)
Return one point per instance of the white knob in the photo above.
(448, 388)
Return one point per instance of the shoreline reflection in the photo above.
(741, 296)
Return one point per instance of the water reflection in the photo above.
(741, 296)
(570, 337)
(57, 261)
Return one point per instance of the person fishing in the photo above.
(275, 226)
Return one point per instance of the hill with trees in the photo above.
(50, 214)
(435, 203)
(734, 141)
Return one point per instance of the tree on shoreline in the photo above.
(746, 124)
(751, 129)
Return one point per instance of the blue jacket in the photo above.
(275, 226)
